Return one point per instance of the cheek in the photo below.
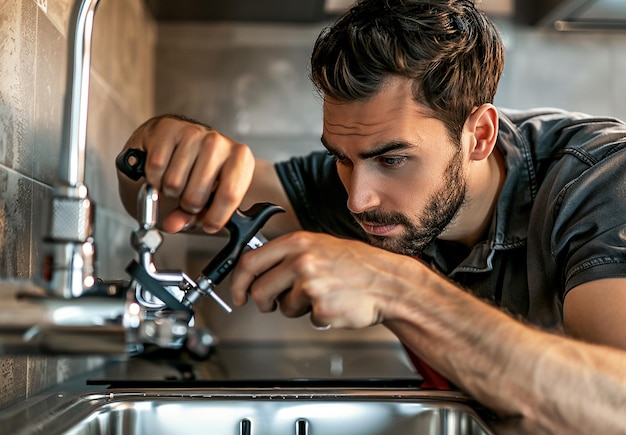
(411, 194)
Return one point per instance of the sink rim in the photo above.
(73, 407)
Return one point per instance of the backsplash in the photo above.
(33, 56)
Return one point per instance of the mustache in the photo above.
(376, 217)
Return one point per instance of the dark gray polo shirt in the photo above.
(560, 219)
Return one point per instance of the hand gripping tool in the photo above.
(243, 228)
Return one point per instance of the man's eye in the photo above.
(338, 157)
(392, 161)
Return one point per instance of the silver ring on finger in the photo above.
(321, 328)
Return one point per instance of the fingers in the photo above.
(234, 168)
(319, 326)
(178, 220)
(181, 161)
(332, 278)
(261, 276)
(158, 138)
(272, 277)
(266, 272)
(192, 163)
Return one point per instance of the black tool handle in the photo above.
(242, 227)
(131, 162)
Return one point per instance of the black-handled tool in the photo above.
(243, 226)
(131, 162)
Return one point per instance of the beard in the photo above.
(442, 208)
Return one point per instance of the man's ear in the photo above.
(482, 128)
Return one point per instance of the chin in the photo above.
(395, 245)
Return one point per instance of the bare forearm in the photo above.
(563, 385)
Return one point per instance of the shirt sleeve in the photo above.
(583, 221)
(590, 223)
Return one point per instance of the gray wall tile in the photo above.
(15, 228)
(618, 68)
(17, 45)
(41, 197)
(574, 71)
(33, 58)
(243, 79)
(49, 100)
(13, 379)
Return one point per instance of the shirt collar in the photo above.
(509, 226)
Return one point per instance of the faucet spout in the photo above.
(72, 164)
(71, 248)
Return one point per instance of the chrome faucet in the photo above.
(67, 310)
(72, 212)
(48, 314)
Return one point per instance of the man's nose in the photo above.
(362, 191)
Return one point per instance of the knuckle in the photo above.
(242, 150)
(152, 124)
(156, 162)
(210, 139)
(303, 260)
(323, 310)
(192, 199)
(258, 296)
(301, 239)
(192, 134)
(228, 194)
(171, 182)
(305, 264)
(245, 262)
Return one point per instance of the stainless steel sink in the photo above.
(250, 412)
(254, 390)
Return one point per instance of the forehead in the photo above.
(394, 98)
(391, 114)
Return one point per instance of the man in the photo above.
(477, 223)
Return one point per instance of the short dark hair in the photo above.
(451, 50)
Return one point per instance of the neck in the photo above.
(483, 189)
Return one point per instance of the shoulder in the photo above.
(553, 132)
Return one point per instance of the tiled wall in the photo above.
(33, 48)
(580, 71)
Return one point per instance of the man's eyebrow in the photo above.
(327, 145)
(378, 151)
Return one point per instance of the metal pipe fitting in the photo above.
(33, 323)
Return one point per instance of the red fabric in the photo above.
(432, 379)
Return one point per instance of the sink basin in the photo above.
(250, 412)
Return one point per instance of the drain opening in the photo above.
(245, 427)
(302, 426)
